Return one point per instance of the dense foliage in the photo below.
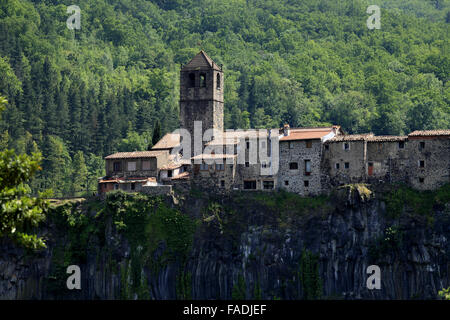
(19, 212)
(78, 95)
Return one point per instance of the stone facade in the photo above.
(295, 174)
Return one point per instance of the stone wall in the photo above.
(435, 152)
(297, 152)
(336, 157)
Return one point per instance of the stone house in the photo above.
(300, 153)
(130, 171)
(429, 159)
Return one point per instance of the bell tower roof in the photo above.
(201, 61)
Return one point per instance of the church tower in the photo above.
(201, 95)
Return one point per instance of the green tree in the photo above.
(79, 175)
(19, 212)
(309, 276)
(156, 133)
(239, 289)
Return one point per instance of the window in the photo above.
(421, 180)
(133, 186)
(422, 164)
(191, 80)
(286, 182)
(327, 147)
(422, 145)
(347, 165)
(218, 81)
(222, 183)
(247, 145)
(204, 166)
(308, 143)
(337, 166)
(131, 166)
(117, 166)
(401, 145)
(169, 173)
(250, 185)
(307, 167)
(202, 80)
(291, 145)
(247, 164)
(346, 146)
(268, 185)
(264, 165)
(306, 183)
(219, 166)
(293, 166)
(146, 165)
(116, 186)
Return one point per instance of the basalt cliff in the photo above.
(245, 246)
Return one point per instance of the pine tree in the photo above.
(79, 175)
(156, 133)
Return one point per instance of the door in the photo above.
(370, 168)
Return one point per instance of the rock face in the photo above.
(242, 238)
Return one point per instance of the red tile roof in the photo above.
(169, 141)
(351, 137)
(135, 154)
(182, 176)
(419, 133)
(306, 133)
(387, 138)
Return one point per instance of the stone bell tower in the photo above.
(201, 95)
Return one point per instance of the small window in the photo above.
(146, 165)
(247, 144)
(286, 182)
(422, 164)
(264, 165)
(337, 166)
(268, 185)
(133, 186)
(421, 180)
(291, 145)
(347, 165)
(327, 147)
(401, 145)
(169, 173)
(202, 80)
(203, 166)
(117, 166)
(250, 185)
(422, 145)
(131, 166)
(222, 183)
(293, 166)
(306, 183)
(346, 146)
(247, 164)
(191, 80)
(219, 166)
(307, 167)
(308, 143)
(116, 186)
(218, 81)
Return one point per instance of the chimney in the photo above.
(286, 129)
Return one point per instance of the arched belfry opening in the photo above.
(199, 98)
